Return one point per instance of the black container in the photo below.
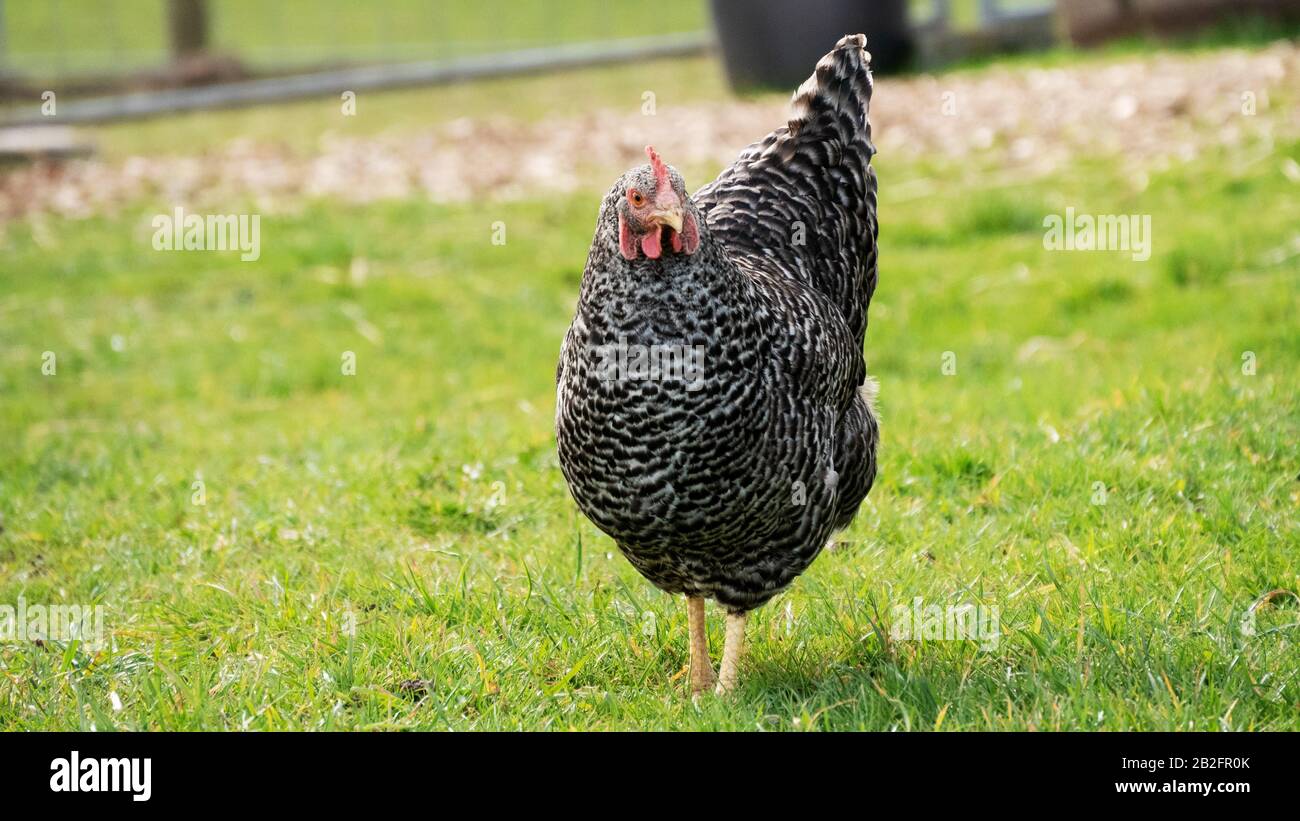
(776, 43)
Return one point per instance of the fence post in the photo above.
(4, 69)
(941, 15)
(187, 21)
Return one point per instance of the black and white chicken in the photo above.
(713, 410)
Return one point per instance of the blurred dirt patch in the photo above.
(1144, 113)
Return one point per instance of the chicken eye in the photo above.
(635, 197)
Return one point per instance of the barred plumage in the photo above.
(726, 481)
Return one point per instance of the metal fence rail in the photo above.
(153, 103)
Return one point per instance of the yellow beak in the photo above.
(672, 217)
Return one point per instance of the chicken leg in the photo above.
(731, 652)
(702, 677)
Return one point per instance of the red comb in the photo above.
(661, 170)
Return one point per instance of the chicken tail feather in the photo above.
(840, 85)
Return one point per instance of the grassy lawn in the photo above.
(396, 548)
(79, 36)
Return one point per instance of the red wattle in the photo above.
(650, 244)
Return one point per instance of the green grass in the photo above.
(421, 500)
(61, 37)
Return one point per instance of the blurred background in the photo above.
(87, 47)
(67, 63)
